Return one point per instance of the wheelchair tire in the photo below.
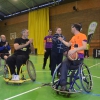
(54, 74)
(31, 70)
(7, 73)
(85, 78)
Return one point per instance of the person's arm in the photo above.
(1, 48)
(68, 44)
(32, 47)
(44, 47)
(44, 44)
(17, 46)
(8, 47)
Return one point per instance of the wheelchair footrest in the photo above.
(68, 91)
(18, 81)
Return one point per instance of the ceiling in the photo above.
(9, 8)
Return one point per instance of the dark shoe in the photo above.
(63, 88)
(23, 78)
(43, 67)
(58, 75)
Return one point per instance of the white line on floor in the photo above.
(22, 93)
(1, 75)
(95, 76)
(40, 87)
(94, 65)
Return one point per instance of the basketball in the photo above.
(74, 56)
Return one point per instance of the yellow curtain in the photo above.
(38, 25)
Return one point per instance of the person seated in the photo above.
(78, 44)
(22, 48)
(4, 47)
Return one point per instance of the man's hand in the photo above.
(6, 44)
(27, 43)
(31, 41)
(65, 53)
(60, 38)
(44, 50)
(71, 51)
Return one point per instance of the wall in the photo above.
(11, 25)
(64, 15)
(60, 16)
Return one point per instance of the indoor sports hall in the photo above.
(24, 26)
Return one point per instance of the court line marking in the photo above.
(38, 88)
(1, 75)
(22, 93)
(95, 76)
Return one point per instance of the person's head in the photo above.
(49, 31)
(76, 28)
(3, 38)
(58, 30)
(25, 33)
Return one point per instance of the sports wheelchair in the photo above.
(27, 72)
(79, 80)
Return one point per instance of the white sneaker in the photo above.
(15, 77)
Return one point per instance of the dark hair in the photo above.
(78, 26)
(57, 28)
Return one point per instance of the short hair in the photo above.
(78, 26)
(57, 28)
(23, 31)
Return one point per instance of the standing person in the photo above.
(22, 48)
(78, 44)
(86, 51)
(47, 49)
(4, 47)
(58, 48)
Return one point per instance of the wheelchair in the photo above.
(27, 72)
(79, 80)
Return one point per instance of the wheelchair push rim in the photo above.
(85, 78)
(31, 70)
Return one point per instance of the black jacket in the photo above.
(57, 45)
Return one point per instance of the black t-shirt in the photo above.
(23, 51)
(5, 49)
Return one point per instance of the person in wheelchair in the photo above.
(4, 48)
(78, 44)
(22, 48)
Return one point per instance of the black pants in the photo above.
(4, 54)
(68, 65)
(46, 55)
(56, 59)
(86, 53)
(16, 60)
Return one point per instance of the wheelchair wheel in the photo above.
(85, 78)
(7, 73)
(54, 79)
(31, 70)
